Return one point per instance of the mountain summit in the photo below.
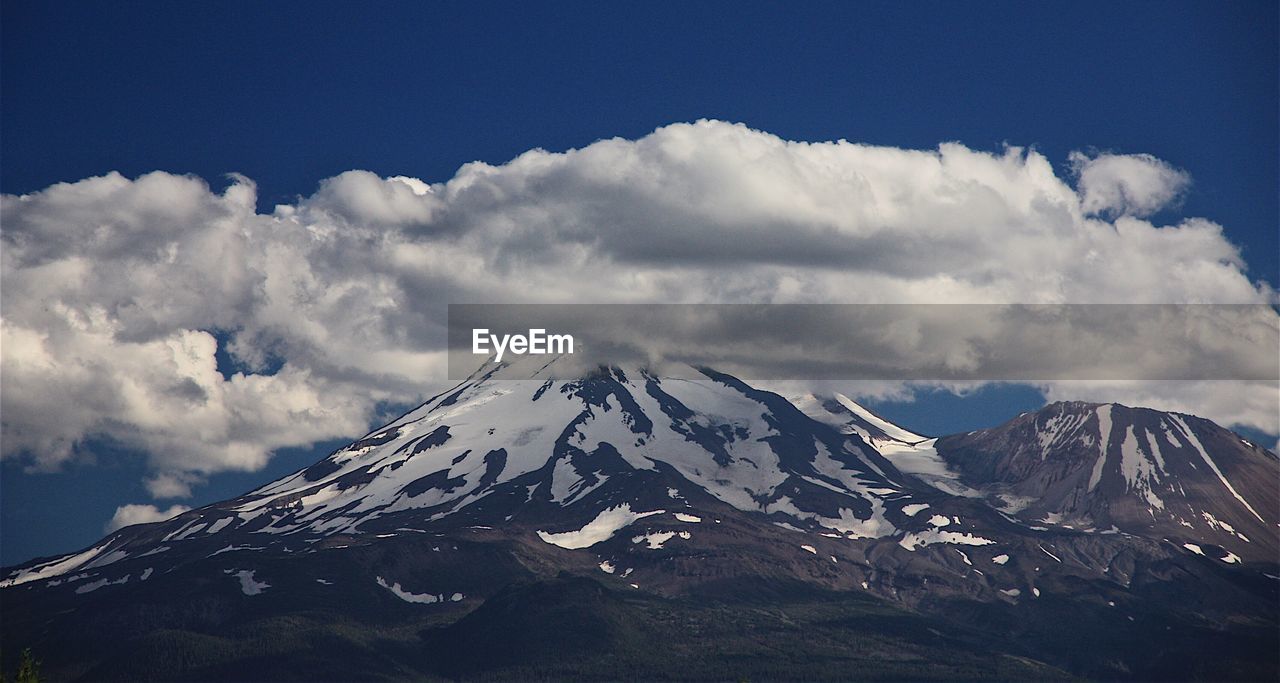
(614, 497)
(1136, 470)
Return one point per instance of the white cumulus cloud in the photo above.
(128, 515)
(115, 291)
(1127, 184)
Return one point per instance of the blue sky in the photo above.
(292, 93)
(289, 93)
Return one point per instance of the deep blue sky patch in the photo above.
(289, 93)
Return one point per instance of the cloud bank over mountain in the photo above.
(116, 291)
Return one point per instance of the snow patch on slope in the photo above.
(248, 584)
(891, 430)
(1190, 438)
(916, 539)
(1104, 440)
(655, 539)
(602, 528)
(419, 598)
(95, 585)
(912, 509)
(922, 460)
(53, 568)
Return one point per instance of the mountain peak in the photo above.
(1103, 465)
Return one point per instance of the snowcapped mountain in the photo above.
(1136, 470)
(683, 489)
(492, 450)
